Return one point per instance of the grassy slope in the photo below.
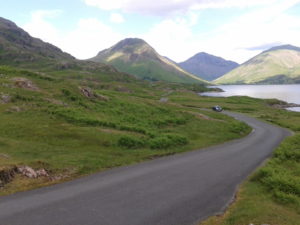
(151, 70)
(56, 127)
(265, 68)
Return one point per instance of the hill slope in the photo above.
(277, 65)
(208, 67)
(18, 48)
(135, 56)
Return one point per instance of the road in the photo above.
(181, 189)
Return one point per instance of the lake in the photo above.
(289, 93)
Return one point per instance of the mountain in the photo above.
(18, 48)
(135, 56)
(278, 65)
(208, 67)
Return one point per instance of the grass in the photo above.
(58, 128)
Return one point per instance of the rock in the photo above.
(4, 98)
(42, 173)
(87, 92)
(164, 100)
(56, 102)
(7, 175)
(27, 171)
(4, 156)
(24, 83)
(122, 89)
(14, 109)
(101, 97)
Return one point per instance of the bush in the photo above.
(167, 141)
(130, 142)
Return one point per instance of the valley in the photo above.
(72, 118)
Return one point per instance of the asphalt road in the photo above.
(181, 189)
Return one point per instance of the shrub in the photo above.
(130, 142)
(167, 141)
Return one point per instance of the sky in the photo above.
(233, 29)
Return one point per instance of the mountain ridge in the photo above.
(207, 66)
(277, 65)
(137, 57)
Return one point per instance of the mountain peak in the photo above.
(207, 66)
(128, 42)
(137, 57)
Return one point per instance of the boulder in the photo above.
(4, 98)
(42, 173)
(7, 175)
(27, 171)
(24, 83)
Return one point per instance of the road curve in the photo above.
(181, 189)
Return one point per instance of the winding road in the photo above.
(181, 189)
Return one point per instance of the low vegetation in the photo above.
(72, 125)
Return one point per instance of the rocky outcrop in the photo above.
(24, 83)
(89, 93)
(7, 175)
(5, 98)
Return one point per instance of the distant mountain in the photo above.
(135, 56)
(278, 65)
(18, 48)
(208, 67)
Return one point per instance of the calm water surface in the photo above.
(289, 93)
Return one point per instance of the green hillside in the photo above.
(136, 57)
(279, 65)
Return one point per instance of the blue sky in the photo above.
(233, 29)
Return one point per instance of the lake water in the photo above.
(289, 93)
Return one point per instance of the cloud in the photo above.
(271, 24)
(116, 18)
(173, 37)
(88, 37)
(39, 27)
(168, 7)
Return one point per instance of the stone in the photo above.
(87, 92)
(7, 175)
(101, 97)
(27, 171)
(164, 100)
(42, 173)
(24, 83)
(14, 109)
(4, 98)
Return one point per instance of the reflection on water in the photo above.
(289, 93)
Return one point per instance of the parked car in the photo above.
(217, 108)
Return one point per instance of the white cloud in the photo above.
(90, 36)
(85, 41)
(173, 37)
(39, 27)
(167, 7)
(260, 27)
(116, 18)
